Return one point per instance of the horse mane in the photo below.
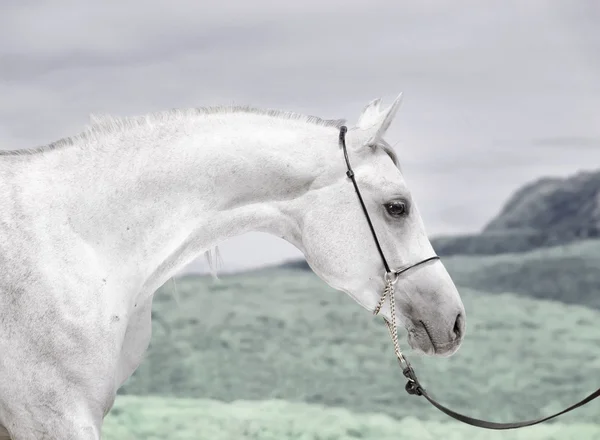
(103, 124)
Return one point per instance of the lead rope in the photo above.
(392, 327)
(412, 385)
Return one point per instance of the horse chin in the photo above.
(420, 343)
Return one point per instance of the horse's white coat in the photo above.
(90, 229)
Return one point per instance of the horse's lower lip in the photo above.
(413, 342)
(427, 347)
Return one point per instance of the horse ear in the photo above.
(388, 117)
(369, 115)
(374, 122)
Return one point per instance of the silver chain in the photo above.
(392, 326)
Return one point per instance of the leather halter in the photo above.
(413, 387)
(350, 174)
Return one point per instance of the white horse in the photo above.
(91, 226)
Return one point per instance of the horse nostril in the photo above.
(459, 326)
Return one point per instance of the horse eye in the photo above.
(397, 209)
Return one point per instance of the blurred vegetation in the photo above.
(285, 335)
(570, 274)
(507, 241)
(153, 418)
(500, 242)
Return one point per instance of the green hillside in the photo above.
(279, 334)
(568, 273)
(155, 418)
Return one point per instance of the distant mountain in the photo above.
(552, 204)
(547, 212)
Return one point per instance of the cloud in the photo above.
(481, 80)
(574, 142)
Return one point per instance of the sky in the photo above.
(496, 93)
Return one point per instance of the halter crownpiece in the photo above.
(413, 386)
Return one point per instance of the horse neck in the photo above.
(151, 199)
